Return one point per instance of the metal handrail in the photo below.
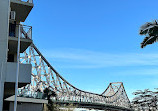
(26, 31)
(28, 1)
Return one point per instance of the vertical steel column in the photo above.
(17, 73)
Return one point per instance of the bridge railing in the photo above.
(30, 94)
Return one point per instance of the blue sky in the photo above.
(94, 42)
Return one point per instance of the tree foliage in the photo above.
(150, 30)
(145, 100)
(48, 94)
(51, 106)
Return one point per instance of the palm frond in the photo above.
(144, 41)
(148, 29)
(144, 29)
(148, 40)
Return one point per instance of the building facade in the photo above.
(12, 14)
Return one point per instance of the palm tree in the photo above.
(150, 30)
(145, 100)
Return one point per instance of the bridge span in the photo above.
(45, 76)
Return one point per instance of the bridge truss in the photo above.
(44, 75)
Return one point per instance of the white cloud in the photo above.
(76, 58)
(145, 71)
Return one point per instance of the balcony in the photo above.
(25, 37)
(10, 77)
(22, 8)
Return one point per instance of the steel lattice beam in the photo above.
(44, 75)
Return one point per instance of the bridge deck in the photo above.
(90, 105)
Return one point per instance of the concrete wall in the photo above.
(26, 107)
(4, 23)
(4, 19)
(25, 71)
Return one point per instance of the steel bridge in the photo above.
(44, 75)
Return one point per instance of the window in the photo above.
(10, 58)
(12, 27)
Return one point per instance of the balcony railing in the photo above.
(29, 1)
(25, 31)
